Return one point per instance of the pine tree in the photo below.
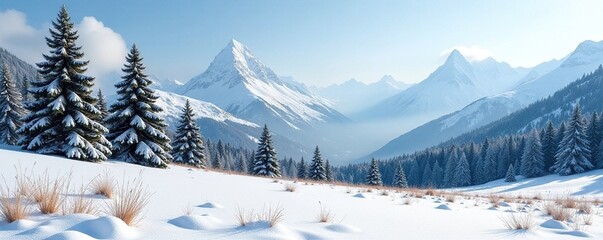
(573, 154)
(480, 176)
(594, 137)
(426, 178)
(453, 161)
(328, 171)
(461, 174)
(242, 165)
(599, 163)
(302, 169)
(136, 131)
(400, 177)
(216, 162)
(414, 176)
(188, 147)
(317, 167)
(101, 105)
(23, 88)
(437, 175)
(11, 109)
(549, 146)
(266, 163)
(510, 177)
(532, 160)
(62, 114)
(490, 164)
(373, 177)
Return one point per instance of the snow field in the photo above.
(197, 204)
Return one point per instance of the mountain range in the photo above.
(542, 81)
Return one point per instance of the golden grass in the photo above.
(104, 184)
(519, 221)
(132, 197)
(325, 215)
(12, 205)
(50, 194)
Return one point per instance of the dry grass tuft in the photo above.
(450, 198)
(431, 192)
(519, 221)
(494, 199)
(12, 206)
(104, 184)
(290, 187)
(558, 212)
(585, 207)
(407, 201)
(80, 204)
(325, 215)
(132, 197)
(49, 193)
(270, 214)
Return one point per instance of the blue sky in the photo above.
(324, 42)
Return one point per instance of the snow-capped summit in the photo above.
(239, 83)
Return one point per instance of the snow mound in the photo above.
(343, 228)
(211, 205)
(360, 195)
(196, 222)
(70, 235)
(18, 225)
(577, 233)
(443, 207)
(552, 223)
(107, 227)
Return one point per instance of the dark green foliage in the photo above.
(136, 131)
(266, 163)
(188, 147)
(302, 169)
(510, 176)
(400, 178)
(62, 118)
(317, 167)
(373, 177)
(11, 109)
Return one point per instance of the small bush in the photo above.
(12, 206)
(80, 204)
(49, 193)
(104, 184)
(450, 198)
(130, 202)
(290, 187)
(519, 221)
(431, 192)
(494, 200)
(559, 213)
(585, 207)
(325, 215)
(270, 214)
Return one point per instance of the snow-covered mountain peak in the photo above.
(585, 53)
(456, 57)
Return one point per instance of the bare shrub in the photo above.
(12, 206)
(81, 204)
(494, 199)
(132, 197)
(188, 210)
(50, 193)
(325, 215)
(431, 192)
(519, 221)
(290, 187)
(450, 198)
(585, 207)
(104, 184)
(559, 213)
(270, 214)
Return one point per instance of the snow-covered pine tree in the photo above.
(426, 178)
(490, 164)
(242, 165)
(302, 169)
(23, 88)
(593, 131)
(373, 177)
(453, 160)
(188, 145)
(479, 174)
(414, 175)
(136, 131)
(532, 160)
(573, 154)
(510, 177)
(62, 114)
(328, 171)
(11, 109)
(101, 105)
(461, 175)
(437, 174)
(266, 163)
(400, 177)
(549, 146)
(599, 162)
(317, 167)
(216, 163)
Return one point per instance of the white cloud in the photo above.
(16, 36)
(471, 53)
(105, 48)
